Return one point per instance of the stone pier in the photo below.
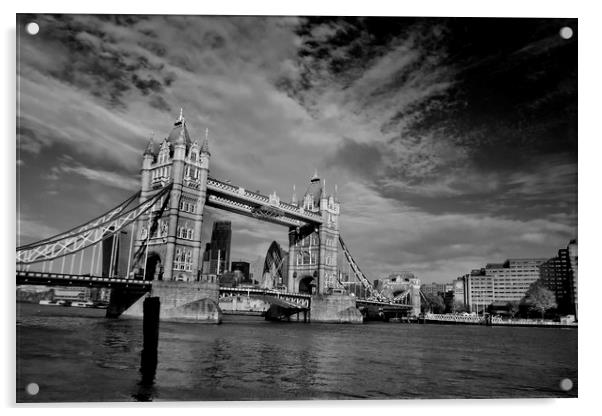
(183, 301)
(336, 308)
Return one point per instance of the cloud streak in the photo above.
(443, 149)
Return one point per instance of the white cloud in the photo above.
(29, 229)
(384, 236)
(224, 71)
(107, 178)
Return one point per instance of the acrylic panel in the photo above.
(216, 208)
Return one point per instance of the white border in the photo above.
(589, 160)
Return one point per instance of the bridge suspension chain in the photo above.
(360, 276)
(401, 296)
(86, 235)
(107, 216)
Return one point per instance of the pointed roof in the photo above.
(179, 133)
(315, 188)
(205, 146)
(150, 148)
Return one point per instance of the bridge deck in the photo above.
(270, 292)
(58, 279)
(392, 305)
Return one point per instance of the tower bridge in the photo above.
(151, 243)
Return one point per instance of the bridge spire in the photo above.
(294, 197)
(205, 146)
(150, 148)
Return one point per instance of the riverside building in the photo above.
(559, 274)
(499, 282)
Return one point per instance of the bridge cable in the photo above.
(82, 227)
(358, 273)
(149, 203)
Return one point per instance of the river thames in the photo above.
(76, 355)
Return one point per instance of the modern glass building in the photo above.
(216, 259)
(275, 266)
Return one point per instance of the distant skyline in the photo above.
(453, 142)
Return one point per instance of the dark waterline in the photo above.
(76, 355)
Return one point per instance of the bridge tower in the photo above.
(313, 252)
(168, 239)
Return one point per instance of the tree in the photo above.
(459, 307)
(540, 298)
(513, 308)
(434, 303)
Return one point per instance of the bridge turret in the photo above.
(180, 139)
(205, 146)
(193, 154)
(313, 253)
(173, 252)
(147, 161)
(323, 196)
(294, 200)
(203, 173)
(150, 149)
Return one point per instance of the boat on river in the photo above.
(53, 302)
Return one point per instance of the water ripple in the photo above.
(87, 358)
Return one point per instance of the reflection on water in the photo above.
(76, 355)
(148, 369)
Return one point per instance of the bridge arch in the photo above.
(154, 269)
(307, 285)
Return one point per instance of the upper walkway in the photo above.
(268, 208)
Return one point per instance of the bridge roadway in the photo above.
(394, 305)
(59, 279)
(285, 299)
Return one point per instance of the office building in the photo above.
(436, 288)
(498, 283)
(275, 266)
(216, 259)
(242, 268)
(115, 255)
(559, 275)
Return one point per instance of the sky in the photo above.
(452, 142)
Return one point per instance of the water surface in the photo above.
(77, 355)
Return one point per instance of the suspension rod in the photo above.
(98, 266)
(93, 259)
(81, 262)
(80, 241)
(80, 228)
(127, 272)
(113, 252)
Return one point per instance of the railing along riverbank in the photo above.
(494, 321)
